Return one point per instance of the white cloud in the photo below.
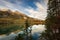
(6, 4)
(40, 6)
(40, 13)
(9, 5)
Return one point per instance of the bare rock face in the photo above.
(11, 21)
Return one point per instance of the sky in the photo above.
(32, 8)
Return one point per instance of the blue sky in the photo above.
(32, 8)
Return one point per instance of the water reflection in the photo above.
(36, 30)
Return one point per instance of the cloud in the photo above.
(6, 4)
(39, 13)
(9, 5)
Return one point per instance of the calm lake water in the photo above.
(36, 30)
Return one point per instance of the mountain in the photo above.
(11, 21)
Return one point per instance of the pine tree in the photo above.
(52, 21)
